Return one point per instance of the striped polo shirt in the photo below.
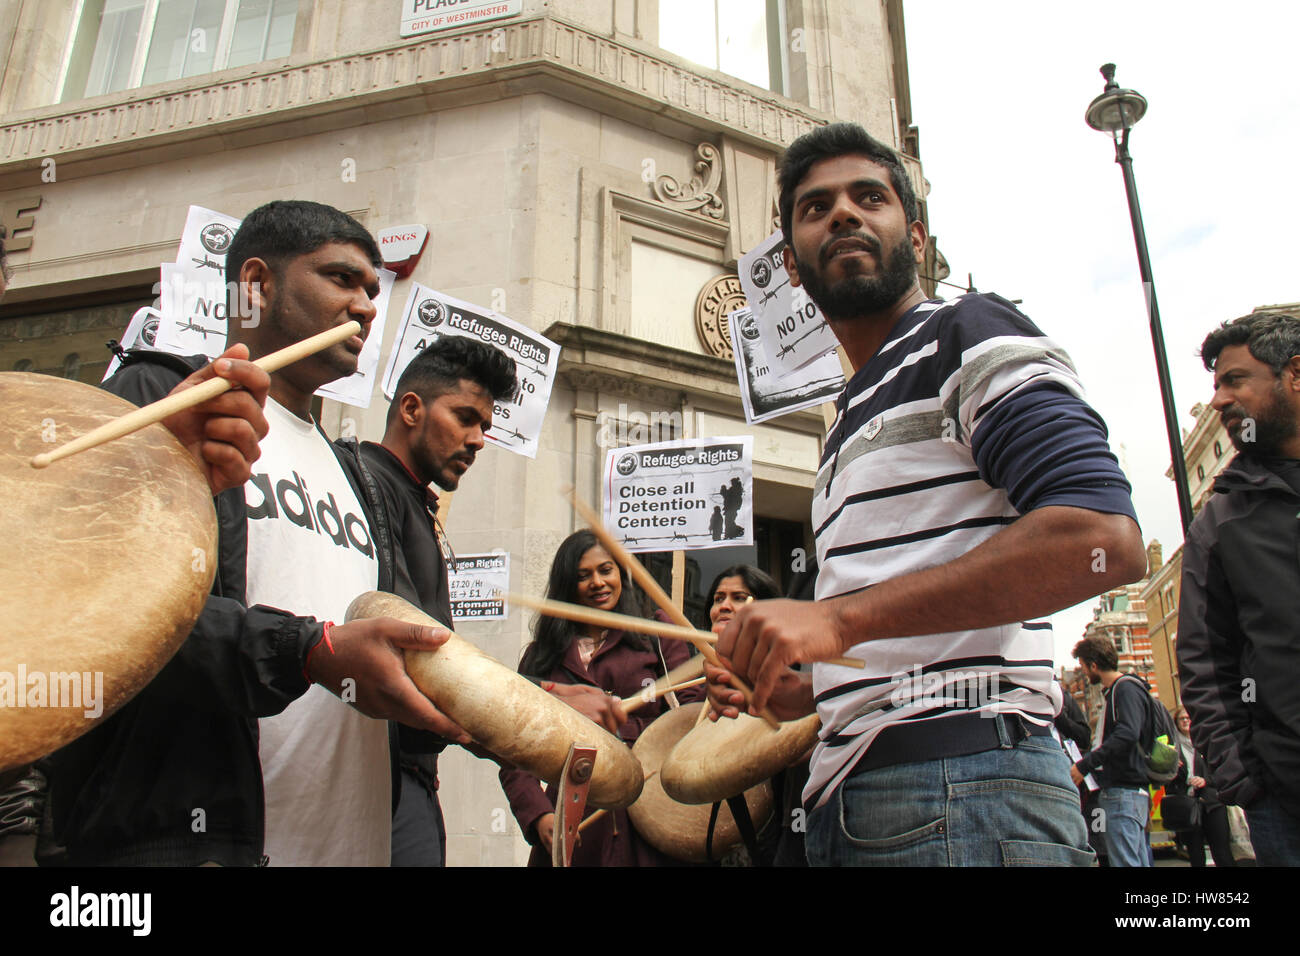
(966, 417)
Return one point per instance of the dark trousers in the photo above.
(419, 836)
(1214, 827)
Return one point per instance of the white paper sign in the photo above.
(429, 315)
(766, 395)
(358, 387)
(193, 306)
(206, 240)
(478, 583)
(141, 333)
(790, 326)
(688, 494)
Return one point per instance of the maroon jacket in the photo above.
(622, 670)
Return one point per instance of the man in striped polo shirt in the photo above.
(966, 490)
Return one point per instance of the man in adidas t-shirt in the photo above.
(325, 765)
(965, 492)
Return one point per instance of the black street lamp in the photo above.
(1116, 112)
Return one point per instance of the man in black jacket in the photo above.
(441, 409)
(1239, 612)
(1116, 761)
(174, 777)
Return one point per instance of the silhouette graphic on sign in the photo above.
(732, 498)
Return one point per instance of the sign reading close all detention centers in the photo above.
(681, 495)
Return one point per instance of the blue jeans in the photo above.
(1007, 807)
(1274, 833)
(1124, 825)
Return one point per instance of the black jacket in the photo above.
(1239, 633)
(1118, 761)
(173, 778)
(419, 571)
(1071, 722)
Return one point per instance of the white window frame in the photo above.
(148, 21)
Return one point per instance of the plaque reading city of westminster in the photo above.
(720, 296)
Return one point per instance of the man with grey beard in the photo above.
(1238, 637)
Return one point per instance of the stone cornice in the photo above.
(596, 349)
(401, 79)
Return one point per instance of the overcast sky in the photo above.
(1028, 198)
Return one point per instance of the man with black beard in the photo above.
(965, 492)
(1239, 612)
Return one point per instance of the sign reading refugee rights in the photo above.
(688, 494)
(476, 583)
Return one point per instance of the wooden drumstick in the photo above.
(651, 587)
(620, 622)
(692, 668)
(600, 813)
(654, 692)
(582, 614)
(171, 404)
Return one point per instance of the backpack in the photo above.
(1157, 741)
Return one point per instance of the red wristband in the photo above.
(324, 639)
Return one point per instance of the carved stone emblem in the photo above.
(700, 195)
(720, 296)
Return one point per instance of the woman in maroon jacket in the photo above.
(617, 662)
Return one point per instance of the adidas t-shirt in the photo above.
(325, 765)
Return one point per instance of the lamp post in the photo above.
(1116, 112)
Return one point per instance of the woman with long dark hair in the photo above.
(733, 588)
(620, 663)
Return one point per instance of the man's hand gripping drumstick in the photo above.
(203, 415)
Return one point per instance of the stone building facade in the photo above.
(586, 167)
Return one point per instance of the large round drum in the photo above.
(719, 759)
(678, 829)
(508, 714)
(107, 560)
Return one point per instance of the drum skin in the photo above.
(108, 558)
(509, 714)
(719, 759)
(681, 830)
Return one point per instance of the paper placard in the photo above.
(359, 387)
(790, 326)
(477, 583)
(766, 395)
(206, 239)
(429, 315)
(688, 494)
(193, 307)
(141, 333)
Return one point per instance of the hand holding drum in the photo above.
(507, 714)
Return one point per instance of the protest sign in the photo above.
(477, 583)
(141, 333)
(766, 395)
(193, 307)
(429, 315)
(206, 239)
(685, 494)
(790, 326)
(358, 387)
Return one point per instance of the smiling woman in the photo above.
(617, 663)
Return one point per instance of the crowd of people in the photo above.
(963, 492)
